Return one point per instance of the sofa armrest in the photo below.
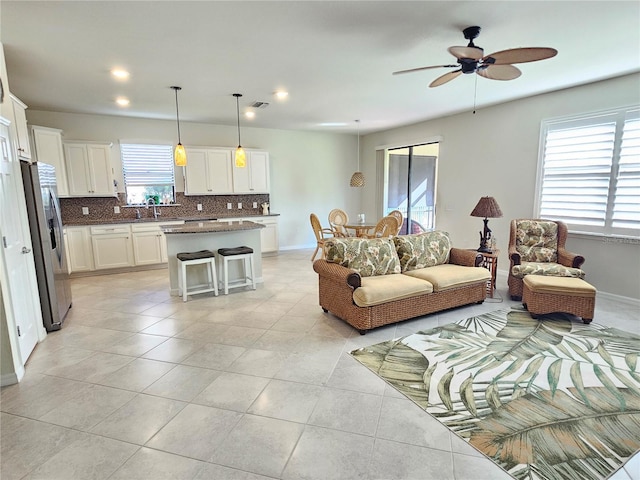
(514, 256)
(467, 258)
(569, 259)
(337, 273)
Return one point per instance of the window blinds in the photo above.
(144, 165)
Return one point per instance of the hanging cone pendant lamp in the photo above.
(357, 179)
(241, 156)
(179, 155)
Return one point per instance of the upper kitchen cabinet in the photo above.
(89, 170)
(208, 171)
(47, 148)
(21, 133)
(254, 178)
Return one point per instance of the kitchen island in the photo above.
(211, 235)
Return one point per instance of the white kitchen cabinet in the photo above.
(254, 178)
(112, 246)
(89, 170)
(79, 249)
(20, 131)
(149, 243)
(269, 240)
(208, 171)
(47, 148)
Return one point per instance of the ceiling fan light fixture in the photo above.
(240, 156)
(179, 154)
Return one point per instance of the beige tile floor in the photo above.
(253, 385)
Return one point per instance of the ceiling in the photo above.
(334, 58)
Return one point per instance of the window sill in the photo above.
(144, 205)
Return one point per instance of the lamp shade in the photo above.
(240, 157)
(357, 180)
(180, 156)
(487, 207)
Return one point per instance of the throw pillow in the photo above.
(537, 241)
(422, 250)
(367, 256)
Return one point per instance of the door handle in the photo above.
(26, 250)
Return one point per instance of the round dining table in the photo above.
(360, 228)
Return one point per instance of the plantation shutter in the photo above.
(577, 166)
(626, 210)
(147, 164)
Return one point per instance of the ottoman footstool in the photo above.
(545, 294)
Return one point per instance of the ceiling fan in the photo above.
(496, 66)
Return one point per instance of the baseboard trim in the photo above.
(11, 378)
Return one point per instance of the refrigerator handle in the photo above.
(52, 234)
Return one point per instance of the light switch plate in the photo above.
(116, 209)
(228, 206)
(239, 205)
(199, 206)
(255, 204)
(85, 210)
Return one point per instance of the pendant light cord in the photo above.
(177, 112)
(237, 95)
(358, 122)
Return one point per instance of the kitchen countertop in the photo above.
(212, 227)
(111, 221)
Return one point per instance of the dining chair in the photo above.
(397, 214)
(321, 234)
(337, 220)
(386, 227)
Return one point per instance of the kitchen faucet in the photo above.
(156, 211)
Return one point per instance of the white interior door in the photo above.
(16, 253)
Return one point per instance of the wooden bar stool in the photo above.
(245, 254)
(188, 259)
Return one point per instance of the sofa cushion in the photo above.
(547, 269)
(537, 240)
(367, 256)
(448, 276)
(422, 250)
(385, 288)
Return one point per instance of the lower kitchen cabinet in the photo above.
(269, 240)
(78, 249)
(149, 244)
(112, 247)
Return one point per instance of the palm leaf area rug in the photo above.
(544, 399)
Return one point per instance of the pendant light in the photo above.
(241, 156)
(179, 155)
(357, 179)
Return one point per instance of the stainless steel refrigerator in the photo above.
(45, 224)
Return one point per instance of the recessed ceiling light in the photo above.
(122, 101)
(281, 94)
(250, 114)
(120, 73)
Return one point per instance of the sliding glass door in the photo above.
(410, 181)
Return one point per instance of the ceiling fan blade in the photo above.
(423, 68)
(447, 77)
(499, 72)
(520, 55)
(474, 53)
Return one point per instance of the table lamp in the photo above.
(487, 207)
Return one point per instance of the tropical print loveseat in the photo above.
(373, 282)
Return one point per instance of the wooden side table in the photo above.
(490, 262)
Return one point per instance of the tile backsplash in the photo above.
(102, 208)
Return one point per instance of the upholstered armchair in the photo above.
(537, 247)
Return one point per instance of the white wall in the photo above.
(495, 152)
(310, 172)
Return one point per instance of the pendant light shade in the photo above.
(357, 179)
(179, 155)
(241, 156)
